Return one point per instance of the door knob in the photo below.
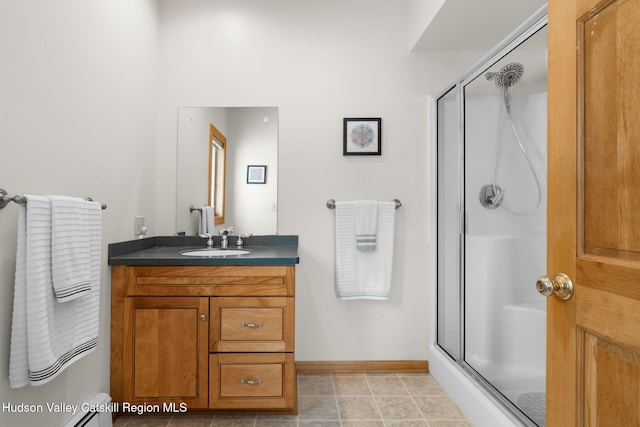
(561, 285)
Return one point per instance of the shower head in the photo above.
(509, 75)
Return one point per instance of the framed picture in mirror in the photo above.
(256, 174)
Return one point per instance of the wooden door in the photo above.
(593, 346)
(166, 351)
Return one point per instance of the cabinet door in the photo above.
(165, 351)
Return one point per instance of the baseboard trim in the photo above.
(362, 366)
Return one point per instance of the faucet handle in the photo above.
(210, 237)
(226, 231)
(240, 242)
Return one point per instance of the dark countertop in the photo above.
(165, 250)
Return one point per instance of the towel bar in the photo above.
(331, 204)
(5, 199)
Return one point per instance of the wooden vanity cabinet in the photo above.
(208, 337)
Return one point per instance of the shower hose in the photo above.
(498, 192)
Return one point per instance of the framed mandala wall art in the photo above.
(362, 137)
(256, 174)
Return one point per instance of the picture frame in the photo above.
(362, 137)
(256, 174)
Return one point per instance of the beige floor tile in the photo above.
(422, 385)
(358, 408)
(233, 423)
(360, 423)
(191, 421)
(386, 385)
(244, 417)
(276, 423)
(319, 423)
(438, 408)
(406, 423)
(339, 400)
(142, 421)
(398, 408)
(450, 423)
(317, 408)
(351, 385)
(315, 385)
(278, 417)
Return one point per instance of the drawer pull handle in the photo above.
(251, 325)
(251, 382)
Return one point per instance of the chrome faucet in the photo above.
(224, 237)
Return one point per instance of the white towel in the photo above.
(47, 336)
(206, 223)
(70, 246)
(366, 224)
(363, 274)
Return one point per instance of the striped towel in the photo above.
(70, 246)
(366, 224)
(206, 223)
(363, 274)
(47, 336)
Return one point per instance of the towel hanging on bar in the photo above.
(20, 199)
(48, 336)
(363, 274)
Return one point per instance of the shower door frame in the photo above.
(535, 23)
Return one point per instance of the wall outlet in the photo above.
(138, 226)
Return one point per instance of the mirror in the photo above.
(251, 205)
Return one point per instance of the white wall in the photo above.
(421, 14)
(76, 118)
(318, 62)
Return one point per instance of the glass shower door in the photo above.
(504, 251)
(449, 184)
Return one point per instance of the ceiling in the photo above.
(475, 24)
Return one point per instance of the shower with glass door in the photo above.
(491, 223)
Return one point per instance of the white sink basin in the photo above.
(215, 252)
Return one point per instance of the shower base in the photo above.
(534, 405)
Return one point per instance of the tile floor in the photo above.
(341, 400)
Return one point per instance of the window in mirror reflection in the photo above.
(217, 168)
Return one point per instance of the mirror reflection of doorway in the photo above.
(217, 172)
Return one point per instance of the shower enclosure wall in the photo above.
(491, 228)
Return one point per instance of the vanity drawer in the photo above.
(268, 280)
(256, 380)
(251, 324)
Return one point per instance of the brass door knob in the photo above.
(561, 285)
